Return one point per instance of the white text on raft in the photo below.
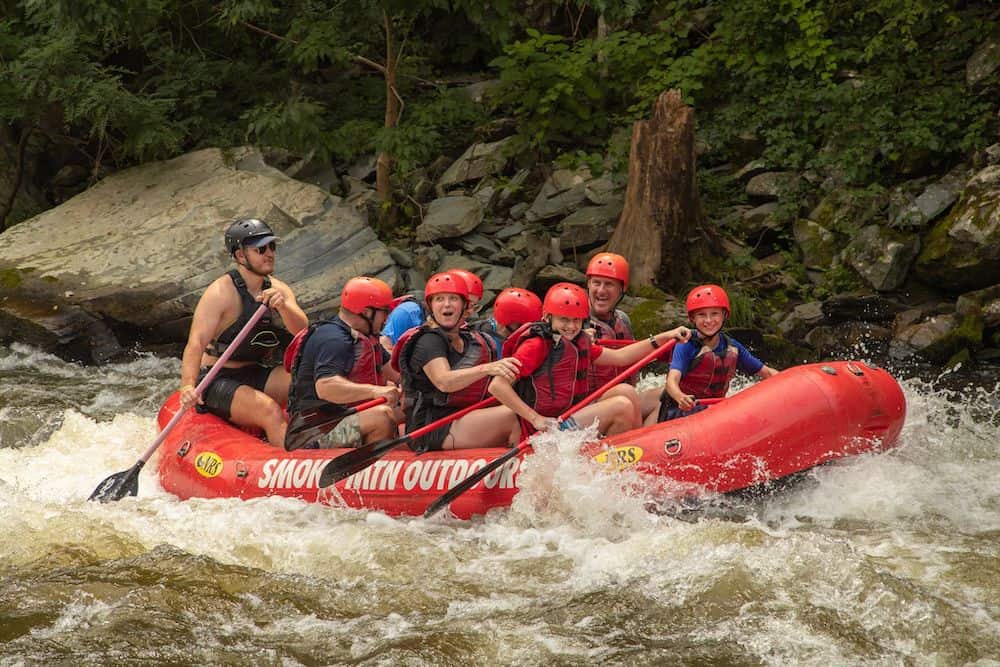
(437, 474)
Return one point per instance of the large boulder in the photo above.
(962, 251)
(125, 261)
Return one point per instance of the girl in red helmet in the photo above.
(555, 358)
(704, 366)
(446, 367)
(513, 307)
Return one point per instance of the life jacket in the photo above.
(265, 342)
(560, 381)
(617, 329)
(367, 368)
(709, 374)
(488, 327)
(422, 401)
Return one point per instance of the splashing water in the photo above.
(887, 558)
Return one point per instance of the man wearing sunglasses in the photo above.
(252, 387)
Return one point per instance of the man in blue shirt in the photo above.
(406, 313)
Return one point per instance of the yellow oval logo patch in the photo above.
(620, 457)
(208, 464)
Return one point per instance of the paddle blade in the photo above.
(119, 485)
(357, 460)
(445, 499)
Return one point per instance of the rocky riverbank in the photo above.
(120, 266)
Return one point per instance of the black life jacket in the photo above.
(422, 401)
(367, 368)
(709, 374)
(488, 327)
(560, 381)
(266, 341)
(617, 329)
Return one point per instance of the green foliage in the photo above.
(429, 127)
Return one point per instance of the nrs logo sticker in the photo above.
(208, 464)
(620, 457)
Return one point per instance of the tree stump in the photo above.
(661, 209)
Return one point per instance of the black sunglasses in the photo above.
(261, 249)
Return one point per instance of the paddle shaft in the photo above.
(446, 498)
(358, 459)
(207, 380)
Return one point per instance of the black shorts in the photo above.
(431, 442)
(218, 397)
(669, 409)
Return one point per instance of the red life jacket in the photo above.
(561, 380)
(709, 374)
(477, 350)
(617, 329)
(367, 368)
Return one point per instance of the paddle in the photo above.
(322, 418)
(446, 498)
(358, 459)
(126, 483)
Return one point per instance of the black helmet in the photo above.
(248, 231)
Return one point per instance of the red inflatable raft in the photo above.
(800, 418)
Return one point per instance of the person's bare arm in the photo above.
(504, 392)
(338, 389)
(766, 372)
(213, 306)
(279, 297)
(448, 380)
(628, 355)
(684, 401)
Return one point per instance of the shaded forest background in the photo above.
(856, 95)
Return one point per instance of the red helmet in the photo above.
(567, 300)
(474, 282)
(516, 306)
(365, 292)
(707, 296)
(445, 283)
(609, 265)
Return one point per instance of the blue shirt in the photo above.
(403, 317)
(684, 353)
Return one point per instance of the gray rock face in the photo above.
(589, 225)
(450, 217)
(931, 203)
(82, 288)
(881, 256)
(962, 251)
(564, 192)
(478, 161)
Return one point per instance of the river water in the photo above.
(886, 559)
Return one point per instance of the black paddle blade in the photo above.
(308, 425)
(119, 485)
(445, 499)
(357, 460)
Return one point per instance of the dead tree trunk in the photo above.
(661, 209)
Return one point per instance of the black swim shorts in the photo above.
(218, 397)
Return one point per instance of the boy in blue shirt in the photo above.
(704, 366)
(406, 313)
